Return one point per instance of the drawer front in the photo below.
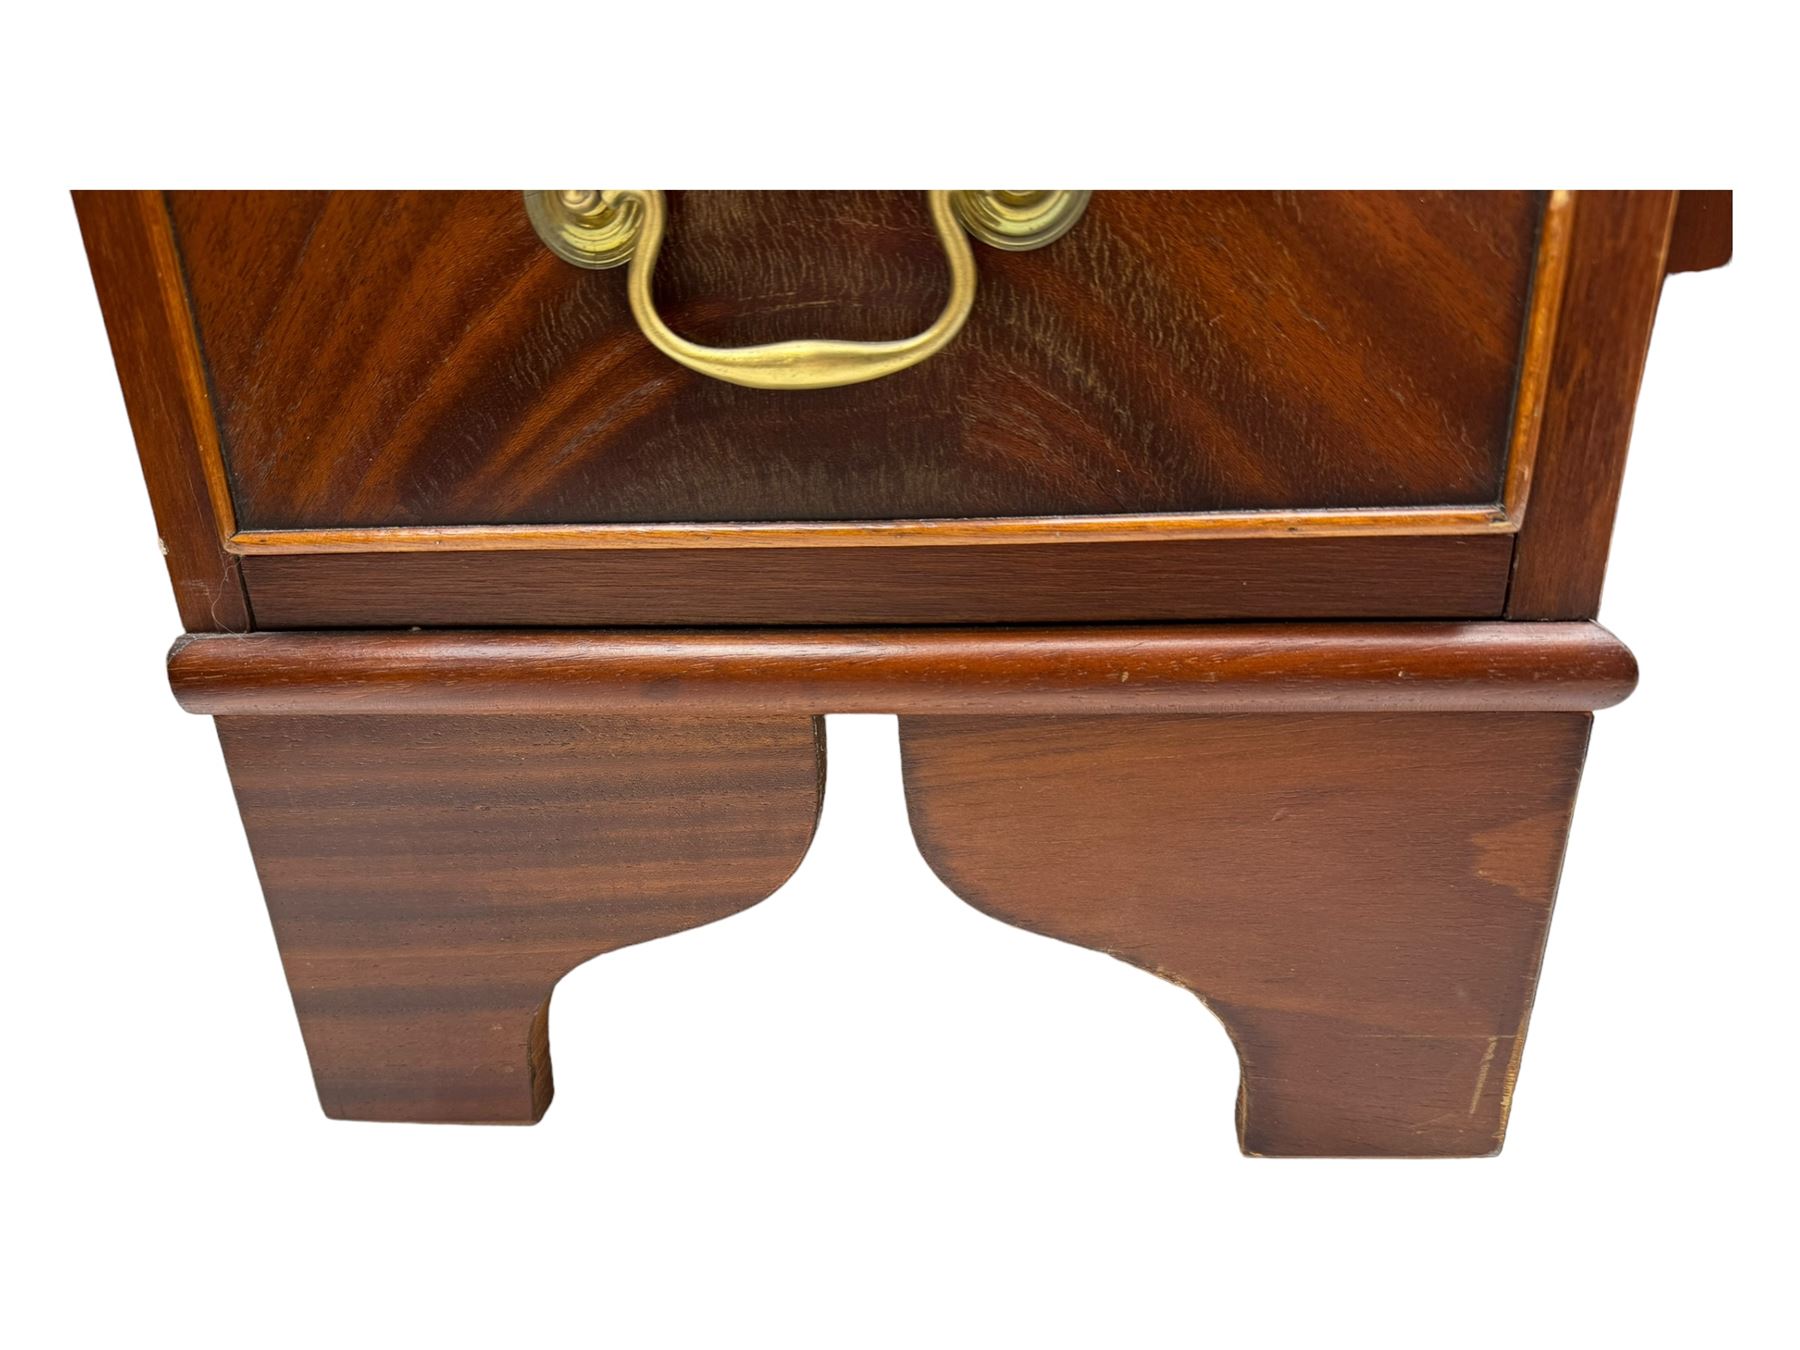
(393, 409)
(422, 359)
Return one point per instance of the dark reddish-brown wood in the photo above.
(1197, 580)
(403, 412)
(445, 380)
(400, 358)
(1225, 669)
(1701, 238)
(137, 277)
(431, 878)
(1362, 900)
(1616, 265)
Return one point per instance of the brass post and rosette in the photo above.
(607, 228)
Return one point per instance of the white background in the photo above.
(861, 1114)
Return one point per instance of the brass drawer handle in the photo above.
(595, 228)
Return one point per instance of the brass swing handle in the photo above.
(606, 228)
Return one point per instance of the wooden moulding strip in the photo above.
(1225, 668)
(1456, 520)
(1548, 278)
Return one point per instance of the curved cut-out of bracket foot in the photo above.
(430, 878)
(1362, 899)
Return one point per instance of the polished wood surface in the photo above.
(1186, 569)
(1701, 237)
(1230, 668)
(431, 878)
(138, 279)
(1362, 899)
(1192, 580)
(417, 358)
(1494, 518)
(1616, 268)
(1338, 562)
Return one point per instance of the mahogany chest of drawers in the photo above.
(1230, 558)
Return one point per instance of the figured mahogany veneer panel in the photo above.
(420, 358)
(1361, 898)
(431, 878)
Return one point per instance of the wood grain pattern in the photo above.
(418, 358)
(1362, 900)
(421, 386)
(1226, 669)
(1701, 237)
(431, 878)
(131, 253)
(1616, 266)
(1198, 580)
